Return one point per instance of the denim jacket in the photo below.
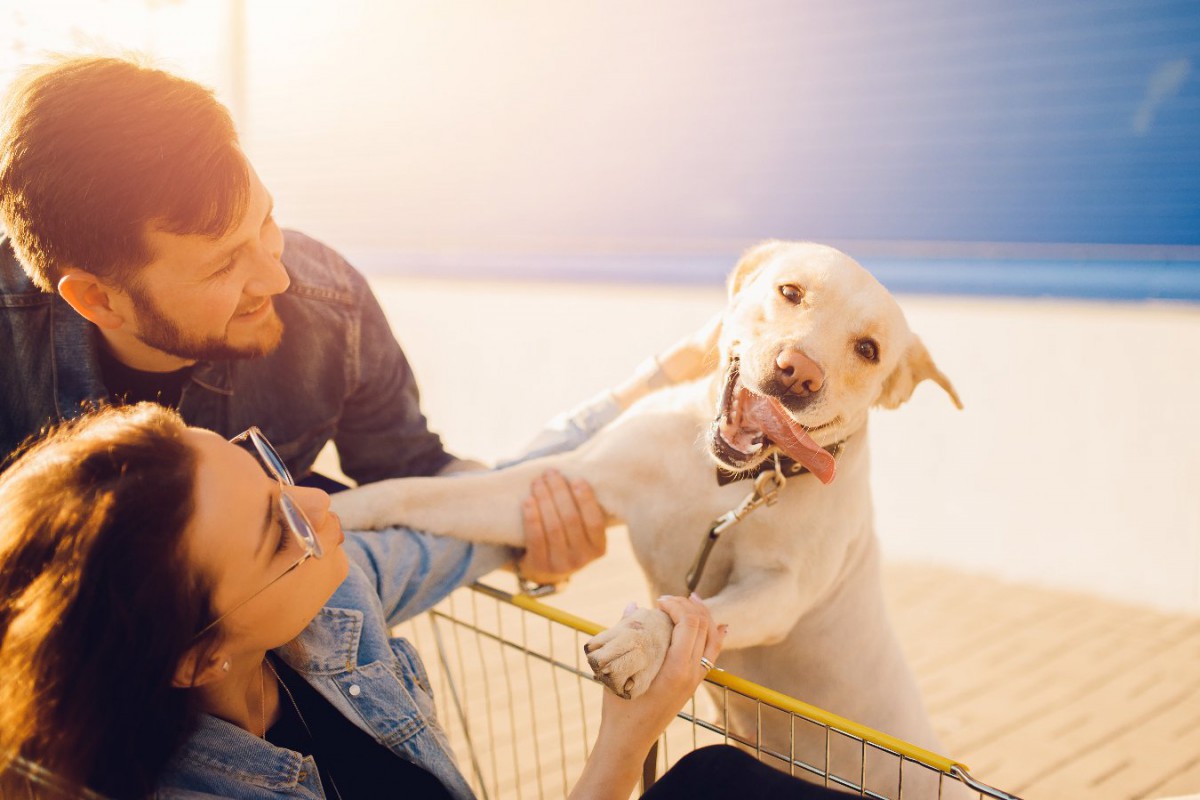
(347, 655)
(338, 373)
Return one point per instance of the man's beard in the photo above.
(157, 330)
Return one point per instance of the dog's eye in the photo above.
(792, 293)
(867, 349)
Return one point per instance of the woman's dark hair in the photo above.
(97, 601)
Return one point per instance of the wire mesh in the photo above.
(514, 666)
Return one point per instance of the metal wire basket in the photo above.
(519, 704)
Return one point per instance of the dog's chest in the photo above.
(668, 545)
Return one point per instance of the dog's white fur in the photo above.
(798, 582)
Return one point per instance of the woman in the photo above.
(167, 593)
(178, 619)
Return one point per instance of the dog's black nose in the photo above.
(800, 374)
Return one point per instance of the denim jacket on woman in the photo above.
(347, 655)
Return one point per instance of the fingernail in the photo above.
(694, 596)
(663, 597)
(629, 609)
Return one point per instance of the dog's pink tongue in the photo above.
(788, 436)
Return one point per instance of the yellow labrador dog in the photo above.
(810, 342)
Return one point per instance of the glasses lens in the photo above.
(270, 457)
(300, 526)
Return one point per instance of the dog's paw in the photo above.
(627, 656)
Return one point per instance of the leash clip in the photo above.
(766, 492)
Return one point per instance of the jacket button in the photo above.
(355, 691)
(303, 776)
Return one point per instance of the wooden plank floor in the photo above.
(1053, 694)
(1048, 694)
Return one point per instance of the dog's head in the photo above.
(810, 341)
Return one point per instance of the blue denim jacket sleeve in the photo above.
(570, 429)
(381, 429)
(412, 570)
(382, 432)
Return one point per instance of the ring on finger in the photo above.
(708, 665)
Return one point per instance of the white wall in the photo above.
(1075, 463)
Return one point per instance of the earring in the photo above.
(225, 667)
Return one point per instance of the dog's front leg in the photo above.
(478, 506)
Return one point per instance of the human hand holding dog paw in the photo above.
(629, 727)
(629, 656)
(565, 528)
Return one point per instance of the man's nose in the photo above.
(799, 373)
(270, 277)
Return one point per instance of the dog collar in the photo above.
(790, 467)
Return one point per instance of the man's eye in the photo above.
(225, 270)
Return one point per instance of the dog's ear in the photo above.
(750, 262)
(915, 366)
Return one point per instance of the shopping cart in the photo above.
(520, 707)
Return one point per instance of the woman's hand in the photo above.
(629, 727)
(695, 634)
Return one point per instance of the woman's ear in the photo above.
(197, 668)
(90, 297)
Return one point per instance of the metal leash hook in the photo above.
(766, 491)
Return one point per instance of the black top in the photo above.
(347, 757)
(128, 385)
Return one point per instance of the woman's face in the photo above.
(238, 538)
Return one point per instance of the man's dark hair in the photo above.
(93, 150)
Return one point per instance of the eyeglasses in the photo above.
(294, 518)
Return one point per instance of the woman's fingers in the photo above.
(695, 634)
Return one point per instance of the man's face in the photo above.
(201, 298)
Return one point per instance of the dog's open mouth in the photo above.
(748, 423)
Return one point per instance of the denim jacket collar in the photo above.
(241, 755)
(76, 380)
(328, 646)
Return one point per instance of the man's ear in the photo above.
(90, 297)
(197, 668)
(915, 366)
(750, 262)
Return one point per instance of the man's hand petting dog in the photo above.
(565, 528)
